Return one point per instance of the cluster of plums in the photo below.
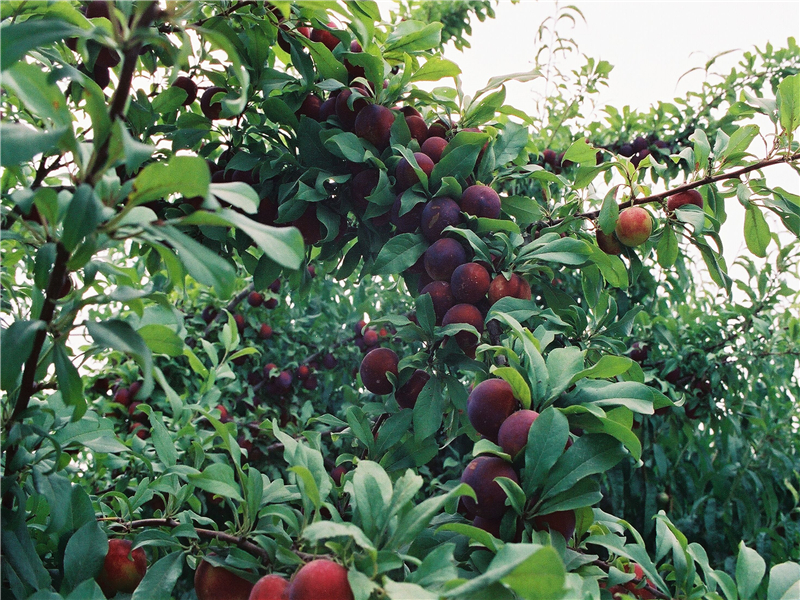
(494, 412)
(639, 148)
(315, 580)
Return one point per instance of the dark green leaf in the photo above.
(82, 217)
(17, 342)
(399, 253)
(70, 383)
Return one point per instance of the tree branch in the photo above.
(681, 188)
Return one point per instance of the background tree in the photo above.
(193, 399)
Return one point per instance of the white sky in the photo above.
(650, 44)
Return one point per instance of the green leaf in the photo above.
(750, 570)
(784, 582)
(563, 364)
(667, 249)
(17, 39)
(82, 217)
(162, 441)
(399, 253)
(419, 517)
(120, 336)
(740, 140)
(160, 578)
(789, 95)
(70, 383)
(589, 455)
(41, 97)
(201, 263)
(238, 194)
(428, 410)
(372, 492)
(232, 106)
(459, 161)
(435, 69)
(327, 64)
(84, 554)
(217, 478)
(21, 143)
(608, 366)
(510, 143)
(702, 149)
(185, 175)
(524, 210)
(540, 577)
(756, 231)
(161, 339)
(507, 559)
(522, 391)
(283, 245)
(169, 100)
(546, 440)
(326, 530)
(581, 152)
(413, 36)
(17, 343)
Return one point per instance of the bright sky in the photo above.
(650, 44)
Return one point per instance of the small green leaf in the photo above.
(185, 175)
(756, 231)
(82, 216)
(522, 391)
(84, 554)
(70, 383)
(667, 249)
(789, 95)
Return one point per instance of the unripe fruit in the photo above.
(634, 226)
(188, 86)
(217, 583)
(405, 174)
(434, 147)
(270, 587)
(481, 201)
(489, 404)
(480, 475)
(407, 394)
(320, 579)
(516, 287)
(442, 257)
(513, 433)
(684, 198)
(470, 283)
(209, 109)
(438, 214)
(375, 367)
(122, 569)
(470, 315)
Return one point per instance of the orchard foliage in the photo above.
(283, 303)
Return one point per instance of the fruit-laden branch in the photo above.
(681, 188)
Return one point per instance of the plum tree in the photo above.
(212, 110)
